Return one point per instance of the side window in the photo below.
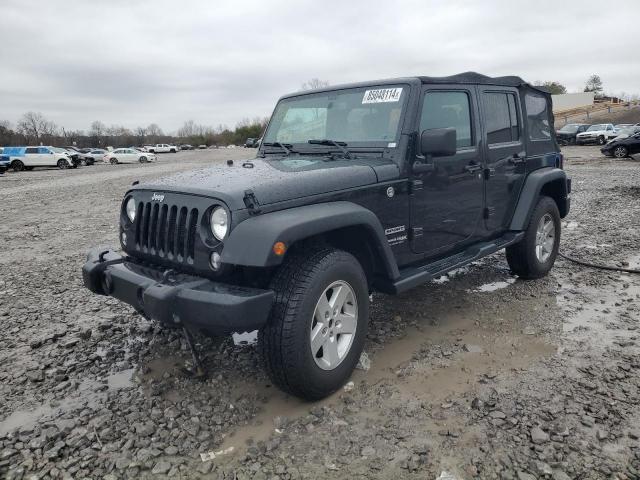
(448, 110)
(31, 150)
(537, 116)
(501, 117)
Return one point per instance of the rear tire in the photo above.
(601, 140)
(113, 161)
(17, 166)
(322, 294)
(620, 152)
(536, 253)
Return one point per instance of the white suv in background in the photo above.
(600, 133)
(163, 148)
(27, 158)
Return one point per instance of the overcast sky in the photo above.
(136, 62)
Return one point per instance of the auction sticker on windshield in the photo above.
(382, 95)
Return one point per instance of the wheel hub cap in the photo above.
(334, 324)
(545, 238)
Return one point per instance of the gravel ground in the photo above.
(477, 374)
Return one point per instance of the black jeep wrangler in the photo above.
(377, 186)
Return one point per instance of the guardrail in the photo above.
(595, 110)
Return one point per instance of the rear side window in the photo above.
(448, 110)
(31, 150)
(537, 116)
(501, 117)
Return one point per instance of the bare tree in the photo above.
(188, 129)
(314, 83)
(141, 132)
(36, 127)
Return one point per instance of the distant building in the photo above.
(569, 101)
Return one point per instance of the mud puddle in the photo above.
(89, 393)
(429, 362)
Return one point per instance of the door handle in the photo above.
(516, 159)
(472, 167)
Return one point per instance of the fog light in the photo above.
(216, 261)
(124, 238)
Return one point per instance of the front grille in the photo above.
(166, 231)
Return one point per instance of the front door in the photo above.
(447, 203)
(505, 155)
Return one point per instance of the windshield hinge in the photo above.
(251, 202)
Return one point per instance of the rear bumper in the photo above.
(176, 299)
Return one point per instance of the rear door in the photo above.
(504, 152)
(31, 157)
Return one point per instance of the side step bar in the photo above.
(414, 276)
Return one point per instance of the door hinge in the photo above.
(251, 202)
(488, 173)
(485, 213)
(415, 232)
(415, 185)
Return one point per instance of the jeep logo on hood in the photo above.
(157, 198)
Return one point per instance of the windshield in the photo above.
(570, 128)
(593, 128)
(58, 150)
(356, 115)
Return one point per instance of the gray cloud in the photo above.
(134, 63)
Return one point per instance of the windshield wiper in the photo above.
(340, 145)
(284, 146)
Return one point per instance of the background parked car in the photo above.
(187, 147)
(95, 155)
(202, 147)
(4, 163)
(27, 158)
(567, 134)
(599, 133)
(250, 143)
(623, 147)
(627, 132)
(128, 155)
(78, 156)
(162, 148)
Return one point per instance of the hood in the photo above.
(270, 180)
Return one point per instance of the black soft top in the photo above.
(478, 78)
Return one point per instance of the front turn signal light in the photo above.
(279, 248)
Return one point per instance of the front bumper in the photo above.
(607, 150)
(177, 299)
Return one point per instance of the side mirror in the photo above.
(436, 142)
(439, 142)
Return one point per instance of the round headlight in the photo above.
(131, 209)
(219, 223)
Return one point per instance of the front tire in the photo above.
(143, 159)
(318, 323)
(62, 164)
(536, 253)
(113, 161)
(620, 152)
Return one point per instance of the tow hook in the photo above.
(198, 370)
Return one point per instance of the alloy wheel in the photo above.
(545, 238)
(334, 324)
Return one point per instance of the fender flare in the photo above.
(530, 192)
(251, 242)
